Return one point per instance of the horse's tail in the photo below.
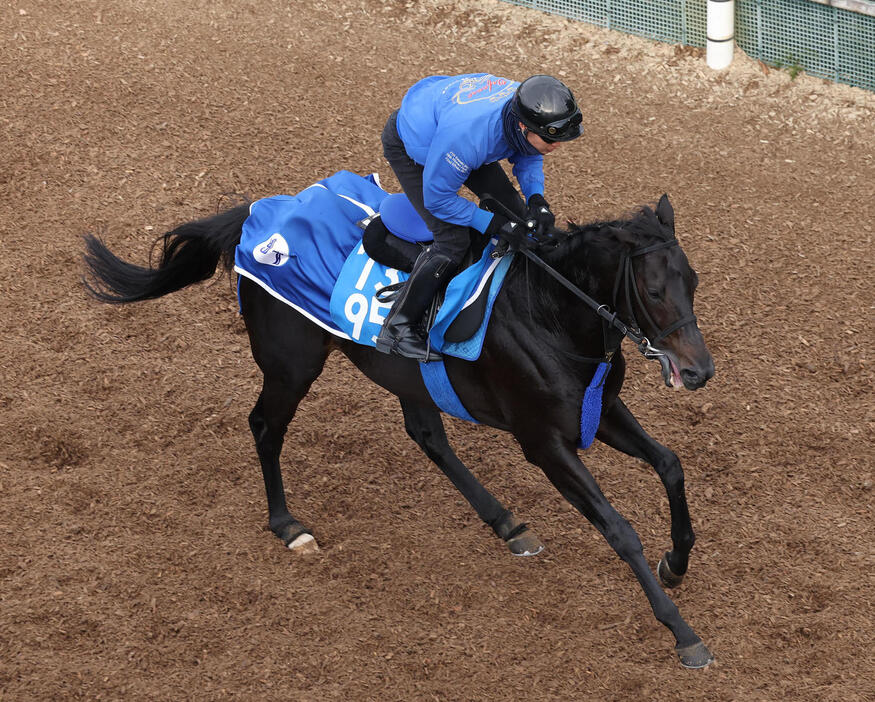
(189, 254)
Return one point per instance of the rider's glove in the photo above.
(511, 236)
(495, 225)
(539, 213)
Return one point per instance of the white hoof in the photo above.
(533, 552)
(305, 543)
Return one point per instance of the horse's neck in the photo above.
(590, 261)
(545, 314)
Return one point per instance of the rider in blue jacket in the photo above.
(452, 131)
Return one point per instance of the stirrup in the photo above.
(386, 343)
(430, 356)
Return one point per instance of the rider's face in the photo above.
(542, 146)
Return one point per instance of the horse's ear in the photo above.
(665, 212)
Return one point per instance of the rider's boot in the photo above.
(402, 333)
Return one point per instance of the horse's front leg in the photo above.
(559, 461)
(620, 430)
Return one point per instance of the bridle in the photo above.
(625, 277)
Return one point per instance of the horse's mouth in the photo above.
(671, 374)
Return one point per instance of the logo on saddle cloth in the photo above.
(273, 252)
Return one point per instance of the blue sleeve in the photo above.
(529, 172)
(447, 167)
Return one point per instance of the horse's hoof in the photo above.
(666, 577)
(516, 534)
(694, 656)
(525, 544)
(305, 543)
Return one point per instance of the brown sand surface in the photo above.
(135, 560)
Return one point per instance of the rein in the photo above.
(626, 276)
(630, 331)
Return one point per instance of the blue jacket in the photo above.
(452, 125)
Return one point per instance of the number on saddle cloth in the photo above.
(396, 238)
(398, 235)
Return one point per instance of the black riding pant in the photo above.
(451, 240)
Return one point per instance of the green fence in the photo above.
(821, 39)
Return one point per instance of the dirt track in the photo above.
(136, 562)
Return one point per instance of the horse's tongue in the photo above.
(676, 381)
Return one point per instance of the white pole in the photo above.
(720, 33)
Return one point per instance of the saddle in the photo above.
(395, 236)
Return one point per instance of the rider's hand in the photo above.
(516, 236)
(495, 225)
(539, 213)
(511, 236)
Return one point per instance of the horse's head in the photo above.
(657, 289)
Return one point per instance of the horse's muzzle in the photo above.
(691, 376)
(695, 377)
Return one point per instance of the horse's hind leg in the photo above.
(268, 421)
(291, 352)
(424, 426)
(620, 430)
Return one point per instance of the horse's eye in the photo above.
(654, 294)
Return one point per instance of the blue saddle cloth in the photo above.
(306, 250)
(294, 246)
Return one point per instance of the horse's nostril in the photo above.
(691, 377)
(694, 378)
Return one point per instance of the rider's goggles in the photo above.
(564, 129)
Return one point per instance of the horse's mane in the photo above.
(585, 255)
(642, 223)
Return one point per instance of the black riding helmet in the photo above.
(548, 108)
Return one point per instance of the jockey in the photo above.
(452, 131)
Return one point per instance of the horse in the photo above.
(541, 351)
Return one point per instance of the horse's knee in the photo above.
(624, 540)
(426, 438)
(668, 467)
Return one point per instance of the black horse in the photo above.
(541, 350)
